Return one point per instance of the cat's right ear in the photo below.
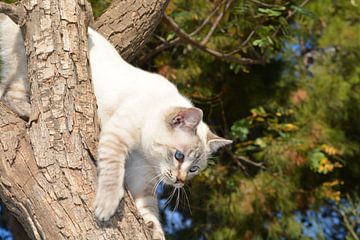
(186, 118)
(215, 142)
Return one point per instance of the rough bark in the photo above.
(47, 176)
(129, 30)
(52, 207)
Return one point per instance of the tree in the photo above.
(47, 170)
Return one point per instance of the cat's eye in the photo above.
(194, 169)
(179, 156)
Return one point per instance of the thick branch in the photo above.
(129, 24)
(17, 173)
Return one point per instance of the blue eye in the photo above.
(179, 156)
(194, 169)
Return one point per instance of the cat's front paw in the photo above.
(158, 235)
(157, 232)
(106, 204)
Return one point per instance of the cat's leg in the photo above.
(115, 142)
(14, 87)
(141, 179)
(147, 206)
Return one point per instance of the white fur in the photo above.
(132, 105)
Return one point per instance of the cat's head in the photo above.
(181, 145)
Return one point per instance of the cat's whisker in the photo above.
(177, 200)
(187, 200)
(183, 202)
(170, 197)
(158, 180)
(154, 178)
(188, 187)
(157, 184)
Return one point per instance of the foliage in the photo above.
(298, 147)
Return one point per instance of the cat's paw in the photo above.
(106, 204)
(157, 231)
(158, 234)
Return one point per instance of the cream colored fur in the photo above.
(144, 121)
(13, 73)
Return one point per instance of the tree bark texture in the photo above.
(45, 210)
(47, 176)
(129, 24)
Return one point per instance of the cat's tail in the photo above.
(13, 68)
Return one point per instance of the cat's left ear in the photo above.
(215, 142)
(186, 118)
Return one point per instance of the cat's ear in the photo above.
(215, 142)
(187, 118)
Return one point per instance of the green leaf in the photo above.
(315, 159)
(270, 12)
(258, 42)
(260, 142)
(170, 36)
(240, 129)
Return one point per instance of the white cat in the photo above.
(149, 131)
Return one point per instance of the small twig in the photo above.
(242, 44)
(216, 23)
(160, 38)
(207, 19)
(165, 45)
(14, 12)
(247, 160)
(188, 39)
(238, 160)
(348, 224)
(158, 49)
(224, 117)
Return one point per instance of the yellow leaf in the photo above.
(289, 127)
(330, 150)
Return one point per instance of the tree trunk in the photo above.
(47, 174)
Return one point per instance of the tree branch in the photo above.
(129, 24)
(243, 43)
(207, 19)
(223, 56)
(166, 44)
(216, 23)
(247, 160)
(238, 160)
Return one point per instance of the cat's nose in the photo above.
(179, 180)
(181, 177)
